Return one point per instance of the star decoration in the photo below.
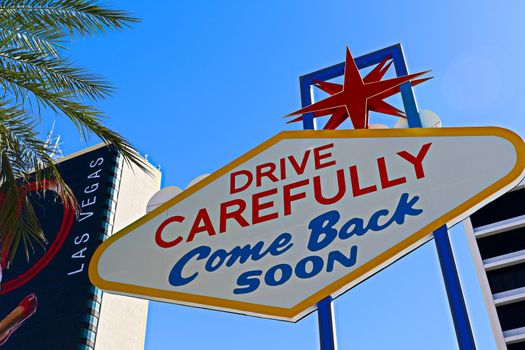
(357, 96)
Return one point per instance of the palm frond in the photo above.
(23, 157)
(86, 118)
(65, 17)
(29, 41)
(54, 74)
(35, 77)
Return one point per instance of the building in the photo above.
(496, 235)
(50, 297)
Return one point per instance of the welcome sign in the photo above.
(306, 215)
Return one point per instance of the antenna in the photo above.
(53, 144)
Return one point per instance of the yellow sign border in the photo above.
(306, 306)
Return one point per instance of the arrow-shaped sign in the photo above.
(305, 215)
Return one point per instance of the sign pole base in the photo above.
(325, 316)
(454, 292)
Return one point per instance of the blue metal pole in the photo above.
(325, 316)
(306, 99)
(454, 292)
(325, 309)
(444, 249)
(456, 300)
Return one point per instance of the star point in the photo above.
(357, 96)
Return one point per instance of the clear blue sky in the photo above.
(201, 82)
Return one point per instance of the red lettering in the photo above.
(282, 166)
(257, 207)
(235, 214)
(299, 169)
(197, 227)
(417, 161)
(383, 175)
(158, 234)
(356, 189)
(341, 186)
(318, 157)
(260, 172)
(233, 176)
(288, 198)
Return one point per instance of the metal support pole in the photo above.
(325, 308)
(456, 301)
(326, 319)
(454, 292)
(444, 249)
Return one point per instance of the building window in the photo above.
(502, 243)
(511, 316)
(507, 278)
(506, 207)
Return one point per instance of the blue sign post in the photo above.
(458, 308)
(326, 319)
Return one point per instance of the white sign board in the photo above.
(306, 215)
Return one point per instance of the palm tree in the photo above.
(35, 77)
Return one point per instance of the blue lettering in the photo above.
(317, 266)
(175, 278)
(286, 273)
(341, 258)
(373, 224)
(323, 226)
(282, 241)
(323, 231)
(244, 253)
(358, 228)
(218, 254)
(404, 208)
(279, 245)
(248, 279)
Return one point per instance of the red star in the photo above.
(376, 103)
(357, 96)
